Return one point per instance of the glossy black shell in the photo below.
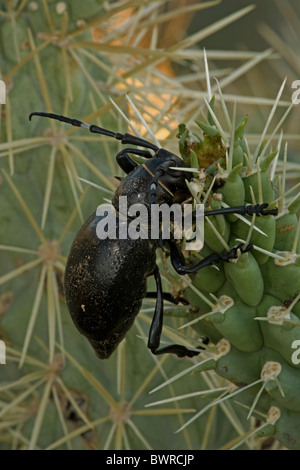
(105, 280)
(105, 283)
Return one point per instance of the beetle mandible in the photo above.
(105, 280)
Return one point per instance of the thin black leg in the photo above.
(156, 328)
(178, 261)
(168, 297)
(257, 209)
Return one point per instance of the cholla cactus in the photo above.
(249, 307)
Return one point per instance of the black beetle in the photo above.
(105, 280)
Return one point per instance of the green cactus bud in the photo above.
(233, 191)
(199, 308)
(208, 129)
(261, 185)
(286, 228)
(210, 278)
(244, 274)
(281, 327)
(265, 163)
(268, 225)
(205, 328)
(237, 325)
(281, 381)
(282, 277)
(210, 119)
(188, 141)
(237, 322)
(216, 228)
(287, 428)
(239, 130)
(238, 151)
(237, 366)
(237, 155)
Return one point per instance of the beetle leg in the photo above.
(168, 297)
(257, 209)
(180, 267)
(157, 324)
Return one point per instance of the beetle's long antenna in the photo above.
(124, 138)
